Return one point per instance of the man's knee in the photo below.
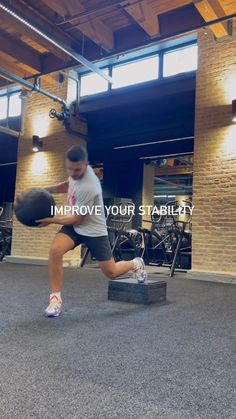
(111, 274)
(110, 271)
(56, 250)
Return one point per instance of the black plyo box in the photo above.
(128, 290)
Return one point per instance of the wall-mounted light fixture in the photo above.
(234, 110)
(37, 144)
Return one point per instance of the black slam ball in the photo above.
(34, 204)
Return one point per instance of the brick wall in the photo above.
(214, 184)
(42, 169)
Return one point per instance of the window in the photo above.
(180, 61)
(3, 107)
(177, 60)
(93, 83)
(135, 72)
(15, 105)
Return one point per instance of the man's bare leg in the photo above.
(114, 269)
(60, 245)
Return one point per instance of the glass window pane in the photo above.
(92, 83)
(180, 61)
(15, 105)
(3, 107)
(135, 72)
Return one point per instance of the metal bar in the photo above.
(154, 39)
(8, 106)
(119, 4)
(69, 76)
(77, 84)
(84, 258)
(188, 153)
(175, 185)
(60, 45)
(41, 16)
(159, 39)
(177, 250)
(9, 131)
(8, 164)
(154, 142)
(31, 86)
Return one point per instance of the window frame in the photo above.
(135, 61)
(9, 102)
(160, 79)
(178, 48)
(7, 108)
(80, 76)
(8, 95)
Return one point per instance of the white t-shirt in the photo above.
(87, 192)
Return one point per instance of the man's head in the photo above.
(76, 161)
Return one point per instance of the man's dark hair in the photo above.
(77, 153)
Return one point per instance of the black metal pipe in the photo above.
(193, 28)
(159, 39)
(119, 4)
(31, 86)
(43, 17)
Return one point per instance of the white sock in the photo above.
(135, 263)
(57, 294)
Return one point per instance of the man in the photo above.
(83, 189)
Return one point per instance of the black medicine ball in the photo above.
(34, 204)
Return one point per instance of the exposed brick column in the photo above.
(42, 169)
(214, 184)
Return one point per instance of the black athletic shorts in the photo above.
(99, 246)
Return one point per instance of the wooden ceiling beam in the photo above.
(26, 31)
(210, 10)
(164, 6)
(100, 34)
(56, 6)
(44, 23)
(145, 16)
(20, 52)
(22, 70)
(18, 59)
(12, 68)
(93, 29)
(72, 6)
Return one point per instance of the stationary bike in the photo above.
(166, 238)
(126, 243)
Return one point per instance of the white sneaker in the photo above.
(54, 308)
(139, 271)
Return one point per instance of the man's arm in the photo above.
(65, 220)
(60, 188)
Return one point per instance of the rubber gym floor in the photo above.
(105, 359)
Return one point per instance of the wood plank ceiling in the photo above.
(95, 28)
